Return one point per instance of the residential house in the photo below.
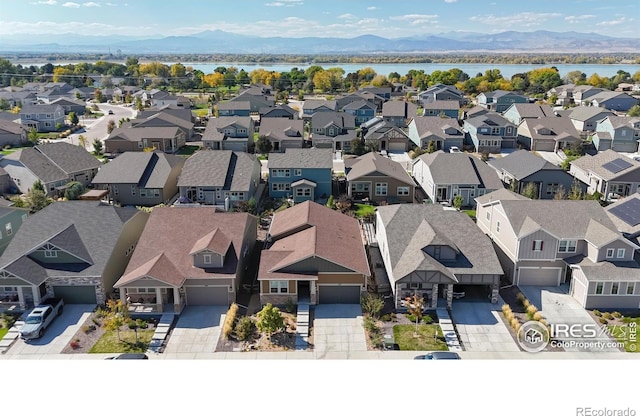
(164, 119)
(75, 250)
(444, 132)
(310, 107)
(11, 134)
(229, 133)
(49, 95)
(384, 135)
(375, 178)
(384, 92)
(362, 111)
(500, 100)
(441, 92)
(612, 175)
(283, 133)
(491, 132)
(120, 92)
(181, 113)
(42, 117)
(282, 110)
(6, 187)
(399, 113)
(519, 112)
(475, 111)
(521, 168)
(548, 243)
(234, 108)
(53, 164)
(256, 102)
(136, 139)
(17, 98)
(11, 219)
(585, 119)
(140, 178)
(621, 134)
(189, 256)
(330, 129)
(313, 255)
(428, 250)
(343, 100)
(443, 176)
(450, 109)
(625, 214)
(571, 94)
(613, 100)
(70, 105)
(301, 174)
(548, 134)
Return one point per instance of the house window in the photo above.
(495, 130)
(280, 187)
(403, 190)
(50, 254)
(610, 252)
(237, 196)
(297, 172)
(614, 288)
(381, 189)
(140, 145)
(133, 190)
(115, 190)
(599, 287)
(630, 287)
(280, 173)
(206, 258)
(278, 286)
(488, 215)
(143, 193)
(537, 245)
(497, 226)
(360, 187)
(47, 124)
(567, 246)
(303, 192)
(8, 229)
(552, 188)
(620, 253)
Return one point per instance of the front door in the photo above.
(441, 194)
(383, 145)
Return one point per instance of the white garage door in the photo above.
(397, 147)
(534, 276)
(207, 295)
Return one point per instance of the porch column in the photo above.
(23, 303)
(495, 289)
(176, 300)
(434, 296)
(123, 295)
(36, 295)
(449, 295)
(312, 293)
(158, 299)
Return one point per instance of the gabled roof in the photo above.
(88, 230)
(234, 105)
(374, 164)
(489, 119)
(324, 118)
(399, 109)
(531, 110)
(597, 162)
(442, 105)
(225, 169)
(584, 113)
(11, 127)
(436, 126)
(410, 228)
(28, 108)
(139, 133)
(624, 214)
(146, 169)
(284, 107)
(501, 194)
(314, 104)
(356, 105)
(460, 168)
(170, 235)
(215, 126)
(282, 128)
(181, 113)
(313, 230)
(68, 157)
(521, 164)
(561, 128)
(312, 158)
(216, 241)
(168, 118)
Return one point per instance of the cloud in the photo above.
(285, 3)
(417, 19)
(450, 1)
(578, 19)
(347, 16)
(71, 4)
(615, 22)
(524, 19)
(372, 8)
(49, 2)
(81, 28)
(91, 4)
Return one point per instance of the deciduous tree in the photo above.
(270, 320)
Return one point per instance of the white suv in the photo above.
(454, 149)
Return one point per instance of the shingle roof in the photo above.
(411, 227)
(139, 133)
(278, 127)
(68, 157)
(426, 126)
(88, 230)
(372, 162)
(530, 110)
(399, 109)
(442, 105)
(163, 251)
(302, 159)
(147, 169)
(219, 168)
(356, 105)
(39, 164)
(584, 113)
(11, 127)
(489, 120)
(521, 164)
(214, 128)
(460, 168)
(324, 118)
(501, 194)
(595, 164)
(234, 105)
(620, 223)
(561, 128)
(313, 104)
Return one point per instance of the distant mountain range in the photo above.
(224, 42)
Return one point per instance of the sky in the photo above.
(321, 18)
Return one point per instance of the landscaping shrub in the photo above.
(387, 317)
(7, 320)
(372, 304)
(607, 316)
(142, 324)
(410, 317)
(597, 312)
(376, 339)
(521, 298)
(515, 324)
(602, 320)
(289, 306)
(86, 329)
(537, 316)
(227, 327)
(245, 328)
(370, 324)
(531, 310)
(506, 308)
(427, 319)
(617, 315)
(526, 303)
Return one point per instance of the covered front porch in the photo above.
(281, 292)
(426, 284)
(153, 300)
(19, 295)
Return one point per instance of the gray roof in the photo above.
(381, 128)
(88, 230)
(313, 104)
(531, 110)
(501, 194)
(182, 113)
(282, 128)
(442, 105)
(302, 159)
(234, 105)
(427, 126)
(68, 157)
(219, 168)
(584, 113)
(625, 271)
(168, 118)
(521, 164)
(620, 223)
(214, 128)
(139, 133)
(489, 119)
(460, 168)
(618, 122)
(399, 109)
(324, 118)
(594, 164)
(10, 127)
(147, 169)
(356, 105)
(29, 108)
(284, 107)
(412, 227)
(374, 164)
(560, 128)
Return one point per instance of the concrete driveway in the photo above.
(197, 330)
(559, 307)
(480, 327)
(57, 336)
(338, 328)
(97, 128)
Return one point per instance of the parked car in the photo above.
(40, 318)
(110, 112)
(129, 356)
(454, 149)
(438, 355)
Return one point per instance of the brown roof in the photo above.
(312, 230)
(172, 234)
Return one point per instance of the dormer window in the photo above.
(206, 258)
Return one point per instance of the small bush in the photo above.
(617, 315)
(74, 344)
(289, 306)
(133, 325)
(427, 319)
(509, 315)
(521, 298)
(537, 316)
(7, 320)
(506, 308)
(602, 320)
(376, 339)
(531, 310)
(597, 312)
(607, 316)
(370, 324)
(372, 304)
(515, 324)
(387, 318)
(526, 303)
(86, 329)
(245, 328)
(410, 317)
(227, 327)
(142, 324)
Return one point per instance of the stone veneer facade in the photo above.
(95, 281)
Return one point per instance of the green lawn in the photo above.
(3, 332)
(627, 333)
(425, 341)
(11, 150)
(200, 112)
(363, 210)
(187, 150)
(470, 212)
(108, 343)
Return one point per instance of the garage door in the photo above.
(212, 295)
(539, 277)
(339, 294)
(76, 294)
(397, 146)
